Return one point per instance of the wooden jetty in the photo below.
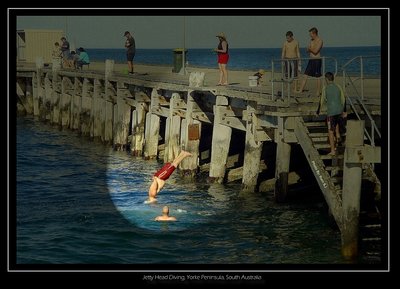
(158, 115)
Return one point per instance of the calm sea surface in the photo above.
(246, 58)
(80, 202)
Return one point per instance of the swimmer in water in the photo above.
(163, 174)
(165, 215)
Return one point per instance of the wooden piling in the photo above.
(50, 99)
(35, 94)
(86, 107)
(138, 128)
(76, 104)
(98, 110)
(283, 150)
(40, 89)
(122, 115)
(151, 135)
(252, 151)
(352, 173)
(190, 137)
(173, 129)
(56, 99)
(109, 68)
(29, 96)
(24, 92)
(221, 138)
(108, 122)
(65, 101)
(152, 128)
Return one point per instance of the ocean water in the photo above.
(80, 202)
(245, 58)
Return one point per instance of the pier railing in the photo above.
(354, 73)
(280, 75)
(353, 85)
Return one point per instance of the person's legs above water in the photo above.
(163, 174)
(160, 184)
(180, 157)
(153, 190)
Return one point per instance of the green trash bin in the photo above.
(178, 55)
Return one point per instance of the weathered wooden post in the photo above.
(98, 109)
(152, 129)
(221, 138)
(40, 89)
(190, 137)
(138, 122)
(86, 107)
(56, 92)
(49, 100)
(29, 96)
(172, 129)
(24, 105)
(67, 89)
(56, 99)
(108, 122)
(283, 150)
(35, 93)
(138, 128)
(122, 114)
(122, 117)
(109, 104)
(76, 104)
(252, 151)
(354, 156)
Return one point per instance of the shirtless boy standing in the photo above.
(315, 64)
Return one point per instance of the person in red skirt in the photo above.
(223, 58)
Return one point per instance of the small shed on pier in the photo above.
(33, 43)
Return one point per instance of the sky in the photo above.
(241, 31)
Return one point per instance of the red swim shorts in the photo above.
(165, 171)
(223, 58)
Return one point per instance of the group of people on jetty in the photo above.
(69, 59)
